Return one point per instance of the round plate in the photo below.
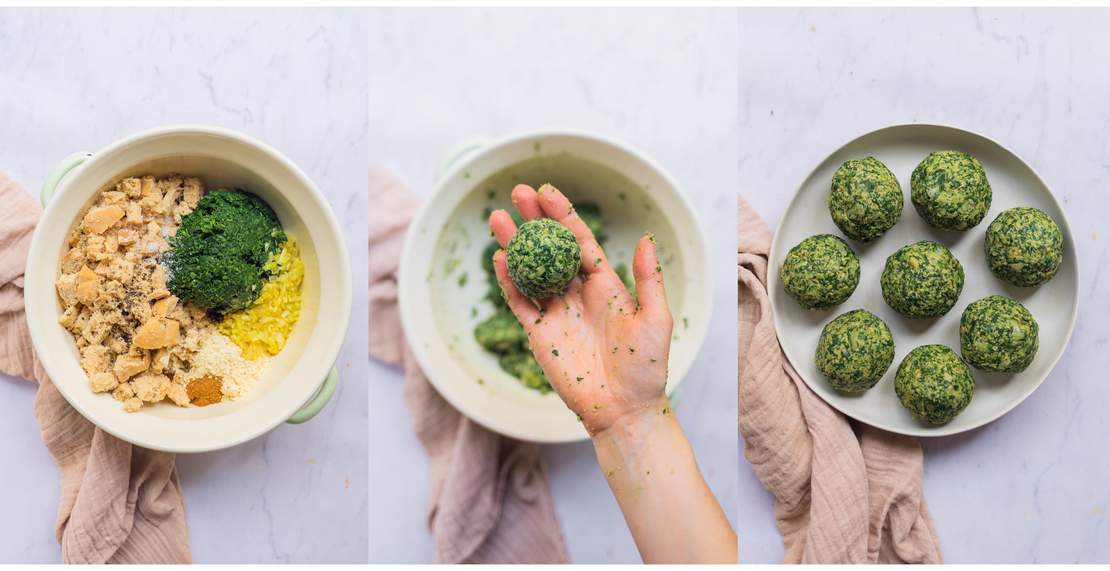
(1014, 183)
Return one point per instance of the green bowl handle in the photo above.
(69, 163)
(317, 403)
(466, 148)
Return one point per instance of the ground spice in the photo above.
(205, 390)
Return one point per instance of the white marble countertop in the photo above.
(1031, 487)
(664, 82)
(80, 79)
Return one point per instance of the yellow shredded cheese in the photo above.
(265, 326)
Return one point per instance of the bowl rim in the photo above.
(344, 286)
(460, 163)
(945, 430)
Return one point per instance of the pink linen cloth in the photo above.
(844, 492)
(490, 497)
(119, 503)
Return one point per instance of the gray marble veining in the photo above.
(80, 79)
(1030, 487)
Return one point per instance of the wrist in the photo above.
(636, 428)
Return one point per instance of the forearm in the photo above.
(671, 512)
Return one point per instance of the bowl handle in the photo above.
(69, 163)
(317, 403)
(465, 148)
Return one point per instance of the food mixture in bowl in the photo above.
(172, 292)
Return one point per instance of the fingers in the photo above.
(557, 207)
(502, 226)
(526, 202)
(522, 307)
(649, 278)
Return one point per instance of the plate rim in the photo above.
(944, 430)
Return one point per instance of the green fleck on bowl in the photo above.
(1024, 247)
(949, 190)
(854, 351)
(820, 272)
(922, 280)
(934, 384)
(543, 257)
(866, 199)
(998, 334)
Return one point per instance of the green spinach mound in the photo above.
(998, 334)
(854, 351)
(922, 280)
(934, 384)
(217, 256)
(820, 272)
(866, 199)
(949, 190)
(543, 257)
(1024, 247)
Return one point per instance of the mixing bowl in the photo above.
(297, 382)
(442, 284)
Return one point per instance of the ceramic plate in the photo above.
(1014, 183)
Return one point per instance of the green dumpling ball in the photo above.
(854, 351)
(998, 334)
(922, 280)
(820, 272)
(934, 384)
(1024, 247)
(949, 190)
(543, 257)
(866, 199)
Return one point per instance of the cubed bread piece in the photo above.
(178, 394)
(87, 282)
(163, 306)
(130, 186)
(100, 219)
(150, 387)
(131, 364)
(132, 405)
(146, 185)
(134, 213)
(194, 188)
(156, 333)
(103, 382)
(67, 289)
(95, 359)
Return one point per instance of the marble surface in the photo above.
(1031, 487)
(665, 81)
(80, 79)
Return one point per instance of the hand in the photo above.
(604, 354)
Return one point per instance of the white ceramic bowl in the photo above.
(1014, 183)
(448, 234)
(293, 385)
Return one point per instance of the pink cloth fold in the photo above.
(844, 492)
(489, 497)
(119, 503)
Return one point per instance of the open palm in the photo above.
(603, 353)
